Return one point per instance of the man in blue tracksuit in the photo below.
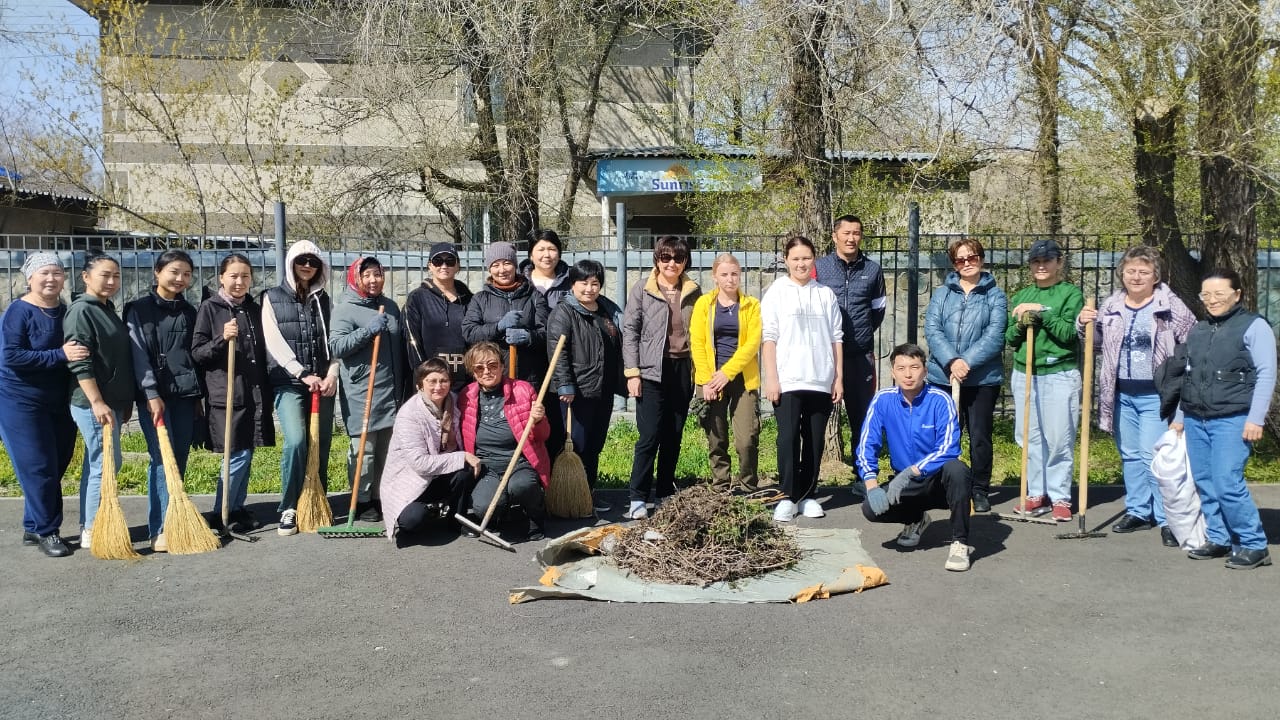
(920, 424)
(858, 283)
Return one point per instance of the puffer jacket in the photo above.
(1173, 322)
(581, 369)
(644, 325)
(967, 327)
(745, 360)
(160, 337)
(518, 398)
(860, 290)
(489, 305)
(251, 424)
(415, 459)
(352, 344)
(561, 287)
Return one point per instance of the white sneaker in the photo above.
(288, 523)
(159, 545)
(958, 559)
(785, 512)
(86, 536)
(910, 535)
(637, 511)
(811, 508)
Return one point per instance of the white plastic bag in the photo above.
(1172, 469)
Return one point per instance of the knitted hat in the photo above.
(499, 251)
(37, 260)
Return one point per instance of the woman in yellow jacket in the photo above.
(724, 337)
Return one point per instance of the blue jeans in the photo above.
(91, 470)
(1138, 428)
(293, 409)
(239, 482)
(1218, 455)
(180, 421)
(1055, 412)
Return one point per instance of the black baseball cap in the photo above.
(1044, 250)
(442, 248)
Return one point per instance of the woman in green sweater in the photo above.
(1049, 305)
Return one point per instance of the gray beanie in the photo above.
(37, 260)
(499, 251)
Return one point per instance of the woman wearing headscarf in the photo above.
(362, 314)
(35, 422)
(295, 327)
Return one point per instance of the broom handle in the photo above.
(226, 433)
(364, 427)
(1086, 408)
(524, 436)
(568, 425)
(1026, 416)
(511, 361)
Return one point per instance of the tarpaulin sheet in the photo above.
(833, 562)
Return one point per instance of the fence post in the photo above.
(280, 242)
(620, 215)
(913, 273)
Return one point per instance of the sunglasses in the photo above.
(668, 257)
(309, 261)
(444, 261)
(967, 260)
(493, 366)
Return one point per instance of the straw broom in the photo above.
(110, 530)
(185, 531)
(568, 495)
(313, 505)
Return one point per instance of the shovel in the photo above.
(1086, 404)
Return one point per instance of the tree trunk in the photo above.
(807, 109)
(1155, 130)
(1229, 52)
(1046, 74)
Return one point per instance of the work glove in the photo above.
(377, 324)
(1030, 318)
(896, 486)
(877, 500)
(698, 407)
(519, 337)
(510, 320)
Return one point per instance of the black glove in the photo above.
(1030, 318)
(519, 337)
(510, 320)
(878, 500)
(897, 484)
(377, 324)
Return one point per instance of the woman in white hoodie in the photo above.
(802, 319)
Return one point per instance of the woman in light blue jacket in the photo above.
(964, 327)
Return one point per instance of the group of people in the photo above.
(444, 390)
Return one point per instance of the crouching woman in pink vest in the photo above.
(494, 411)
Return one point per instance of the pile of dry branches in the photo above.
(701, 536)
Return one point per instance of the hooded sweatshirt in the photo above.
(283, 358)
(804, 320)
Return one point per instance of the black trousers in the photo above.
(802, 421)
(523, 489)
(444, 490)
(661, 411)
(977, 415)
(590, 430)
(859, 387)
(947, 488)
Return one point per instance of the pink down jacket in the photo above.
(518, 398)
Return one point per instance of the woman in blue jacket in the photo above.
(964, 327)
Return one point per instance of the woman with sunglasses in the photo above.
(657, 362)
(295, 327)
(964, 327)
(433, 315)
(1226, 393)
(1138, 326)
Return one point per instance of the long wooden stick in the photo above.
(364, 427)
(1026, 418)
(226, 433)
(1086, 408)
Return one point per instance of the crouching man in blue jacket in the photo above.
(920, 424)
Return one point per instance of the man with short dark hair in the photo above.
(923, 432)
(858, 283)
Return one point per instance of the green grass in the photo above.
(203, 467)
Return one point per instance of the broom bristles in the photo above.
(110, 530)
(185, 531)
(568, 495)
(313, 504)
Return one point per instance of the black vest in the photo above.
(166, 327)
(1220, 372)
(304, 327)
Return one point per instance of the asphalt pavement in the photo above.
(306, 627)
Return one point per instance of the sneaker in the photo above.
(1033, 505)
(637, 511)
(601, 507)
(785, 512)
(981, 503)
(245, 518)
(1062, 511)
(86, 537)
(958, 558)
(158, 544)
(371, 514)
(910, 535)
(811, 508)
(288, 523)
